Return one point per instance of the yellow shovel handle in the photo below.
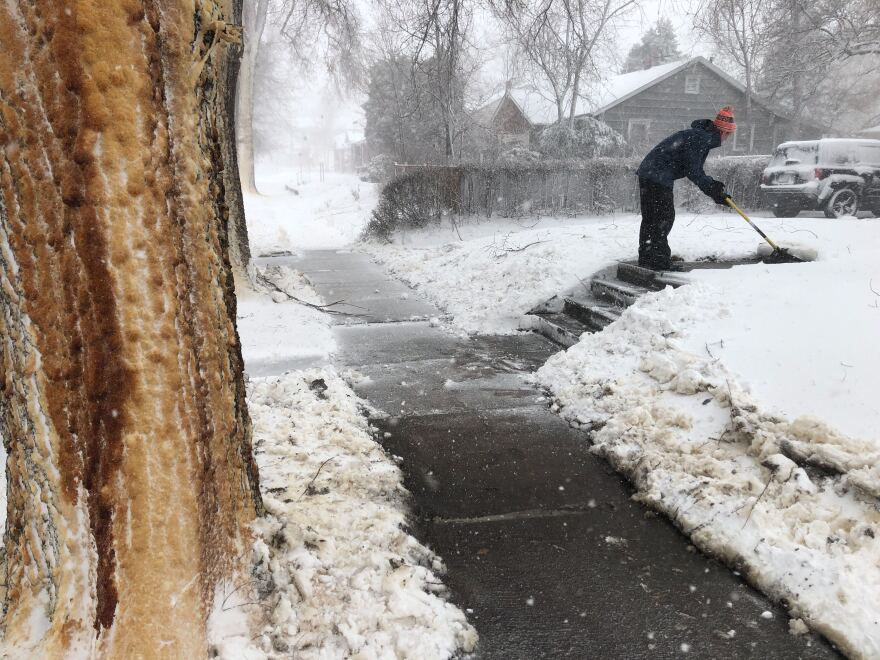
(732, 205)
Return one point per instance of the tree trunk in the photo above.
(238, 242)
(130, 471)
(254, 22)
(575, 90)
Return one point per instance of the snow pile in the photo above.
(699, 448)
(347, 580)
(275, 329)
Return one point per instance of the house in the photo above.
(646, 106)
(350, 151)
(873, 132)
(511, 118)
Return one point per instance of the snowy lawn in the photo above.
(703, 395)
(335, 571)
(503, 268)
(297, 211)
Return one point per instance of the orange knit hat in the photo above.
(724, 121)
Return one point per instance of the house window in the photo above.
(692, 84)
(637, 131)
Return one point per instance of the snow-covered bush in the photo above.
(414, 200)
(519, 156)
(380, 169)
(587, 138)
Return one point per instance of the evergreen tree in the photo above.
(659, 45)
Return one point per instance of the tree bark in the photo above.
(254, 22)
(237, 234)
(130, 471)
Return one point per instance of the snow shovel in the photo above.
(779, 255)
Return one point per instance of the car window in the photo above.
(805, 153)
(869, 154)
(838, 153)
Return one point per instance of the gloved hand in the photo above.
(717, 192)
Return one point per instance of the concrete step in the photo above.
(645, 277)
(595, 317)
(616, 293)
(556, 327)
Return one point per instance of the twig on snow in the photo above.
(322, 308)
(752, 510)
(520, 249)
(321, 467)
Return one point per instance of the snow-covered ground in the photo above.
(349, 581)
(702, 395)
(277, 333)
(298, 211)
(502, 268)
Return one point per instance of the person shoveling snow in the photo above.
(682, 154)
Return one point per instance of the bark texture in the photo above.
(131, 477)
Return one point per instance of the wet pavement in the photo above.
(545, 549)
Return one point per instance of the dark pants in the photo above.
(658, 215)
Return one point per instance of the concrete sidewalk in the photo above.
(544, 547)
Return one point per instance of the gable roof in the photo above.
(873, 131)
(535, 107)
(620, 88)
(617, 89)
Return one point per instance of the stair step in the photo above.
(557, 327)
(622, 295)
(645, 277)
(595, 317)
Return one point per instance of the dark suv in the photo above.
(840, 177)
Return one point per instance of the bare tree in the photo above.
(254, 23)
(545, 38)
(741, 30)
(131, 477)
(433, 34)
(852, 28)
(325, 31)
(562, 39)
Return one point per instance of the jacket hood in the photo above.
(707, 126)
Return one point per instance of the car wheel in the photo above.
(842, 202)
(786, 211)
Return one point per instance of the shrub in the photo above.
(380, 169)
(414, 200)
(519, 156)
(588, 138)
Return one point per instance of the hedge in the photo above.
(422, 196)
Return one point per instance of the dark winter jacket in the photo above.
(682, 155)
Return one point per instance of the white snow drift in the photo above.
(349, 581)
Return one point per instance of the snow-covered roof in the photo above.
(872, 132)
(612, 91)
(615, 90)
(535, 106)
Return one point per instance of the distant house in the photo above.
(350, 151)
(873, 132)
(511, 118)
(646, 106)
